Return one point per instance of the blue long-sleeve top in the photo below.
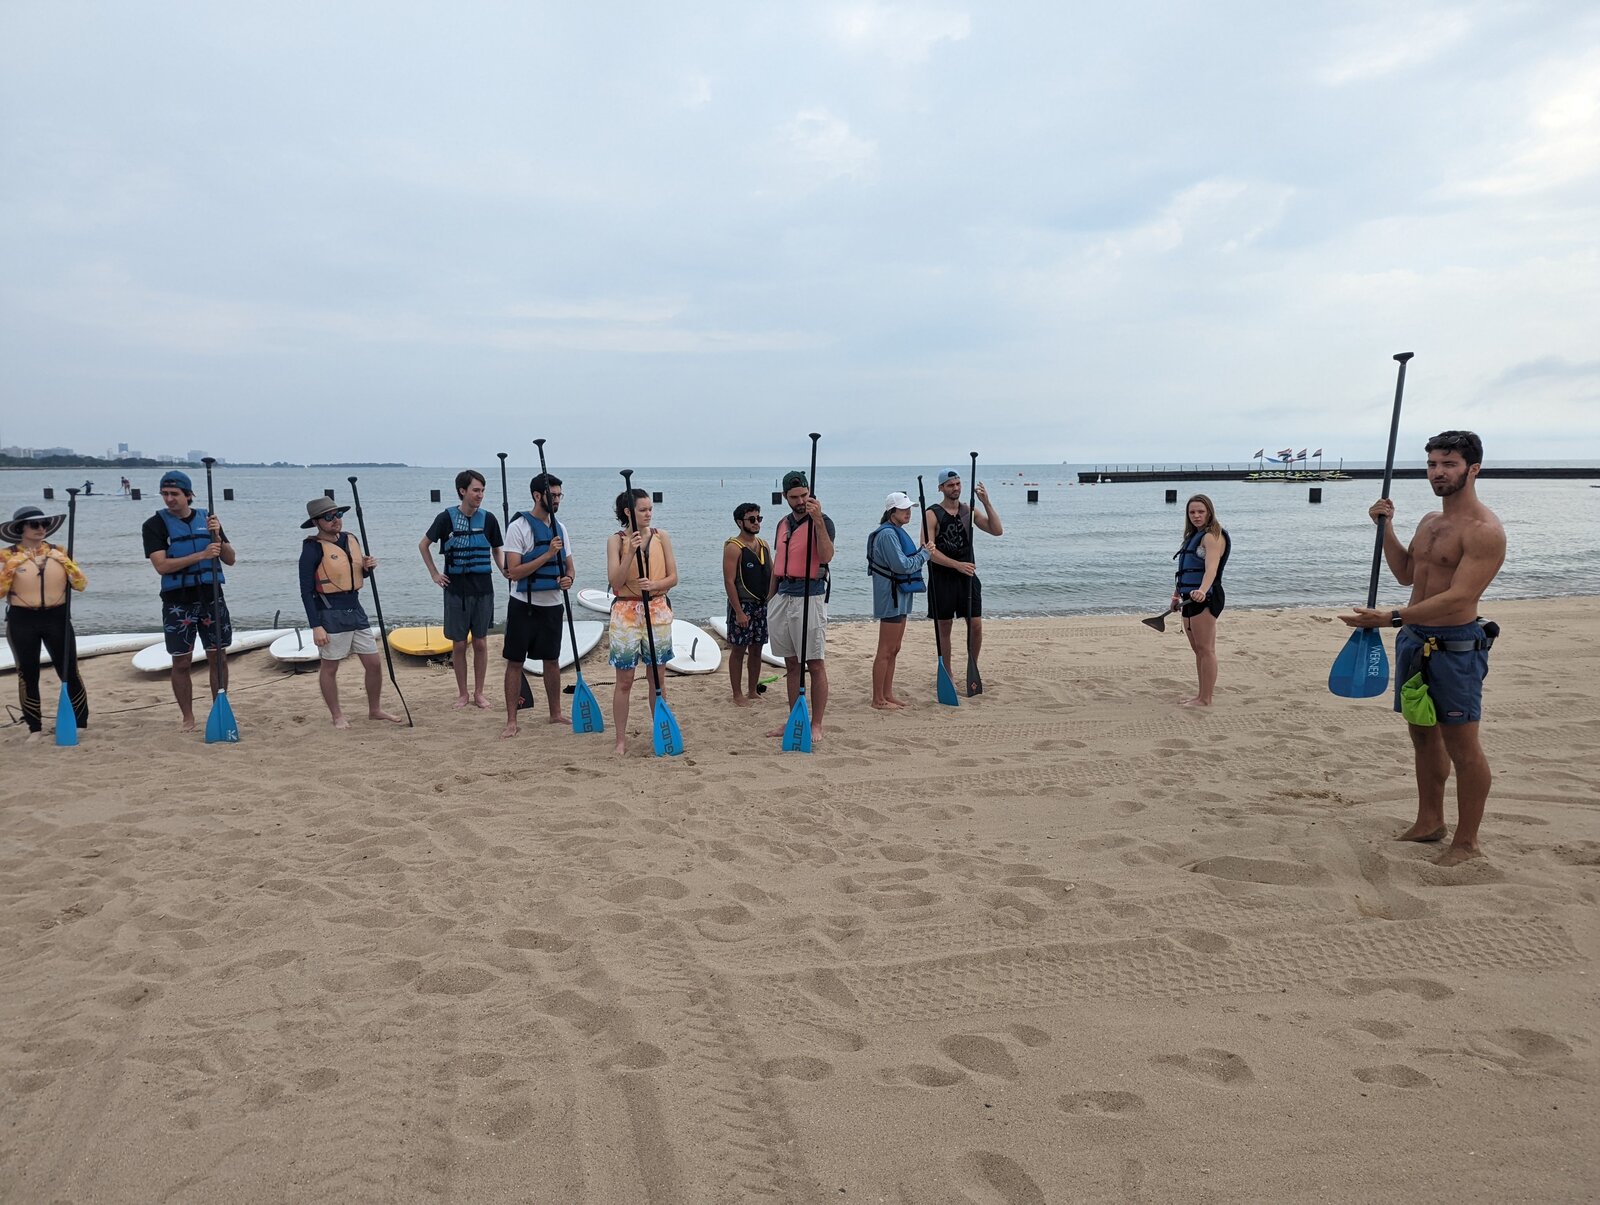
(888, 552)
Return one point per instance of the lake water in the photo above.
(1079, 549)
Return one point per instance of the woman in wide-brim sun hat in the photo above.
(35, 576)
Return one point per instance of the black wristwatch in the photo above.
(1395, 621)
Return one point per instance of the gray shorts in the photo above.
(783, 626)
(467, 614)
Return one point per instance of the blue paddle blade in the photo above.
(797, 729)
(1361, 671)
(586, 715)
(669, 741)
(66, 719)
(221, 727)
(947, 688)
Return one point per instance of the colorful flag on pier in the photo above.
(1285, 451)
(1301, 455)
(1318, 453)
(1258, 453)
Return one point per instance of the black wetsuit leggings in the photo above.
(27, 630)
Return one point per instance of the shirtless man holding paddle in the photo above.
(1454, 555)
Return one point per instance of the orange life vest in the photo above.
(339, 571)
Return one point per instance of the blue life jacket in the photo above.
(186, 539)
(1192, 566)
(466, 550)
(911, 583)
(548, 575)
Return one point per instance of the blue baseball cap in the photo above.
(178, 478)
(949, 475)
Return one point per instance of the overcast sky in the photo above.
(689, 234)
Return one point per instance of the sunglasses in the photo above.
(752, 518)
(44, 523)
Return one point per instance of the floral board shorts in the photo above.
(740, 636)
(628, 644)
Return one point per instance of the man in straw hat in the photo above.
(184, 545)
(35, 576)
(333, 566)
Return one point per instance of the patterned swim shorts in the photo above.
(740, 636)
(628, 644)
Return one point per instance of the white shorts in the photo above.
(783, 626)
(341, 644)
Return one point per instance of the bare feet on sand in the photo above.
(188, 724)
(33, 738)
(1195, 703)
(481, 703)
(1420, 833)
(889, 705)
(1458, 854)
(741, 701)
(461, 703)
(340, 722)
(509, 731)
(384, 715)
(558, 718)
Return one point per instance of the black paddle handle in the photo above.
(644, 595)
(1388, 475)
(505, 494)
(811, 540)
(216, 561)
(922, 502)
(72, 531)
(561, 556)
(377, 603)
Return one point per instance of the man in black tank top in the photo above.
(953, 585)
(746, 576)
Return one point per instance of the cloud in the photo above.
(1401, 41)
(901, 33)
(826, 146)
(1560, 141)
(1220, 215)
(1550, 368)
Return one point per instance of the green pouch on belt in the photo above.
(1416, 704)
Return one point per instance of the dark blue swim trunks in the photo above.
(1455, 680)
(741, 636)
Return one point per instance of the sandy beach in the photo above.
(1068, 941)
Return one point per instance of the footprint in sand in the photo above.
(800, 1066)
(1426, 989)
(635, 890)
(1100, 1104)
(991, 1176)
(533, 939)
(980, 1054)
(1210, 1063)
(1396, 1075)
(920, 1075)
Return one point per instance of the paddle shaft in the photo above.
(644, 595)
(922, 503)
(71, 642)
(561, 558)
(216, 573)
(811, 540)
(505, 494)
(377, 603)
(1388, 475)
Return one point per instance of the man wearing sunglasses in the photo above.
(746, 575)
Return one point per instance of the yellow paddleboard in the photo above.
(419, 642)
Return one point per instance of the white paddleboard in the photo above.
(89, 646)
(156, 659)
(719, 625)
(589, 633)
(595, 600)
(693, 649)
(299, 646)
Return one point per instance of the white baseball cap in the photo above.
(897, 501)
